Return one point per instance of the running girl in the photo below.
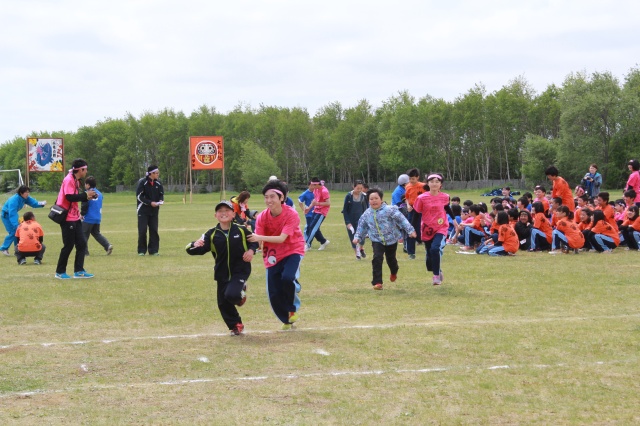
(434, 207)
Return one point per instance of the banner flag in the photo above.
(45, 154)
(207, 152)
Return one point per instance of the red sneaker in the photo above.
(237, 330)
(377, 286)
(393, 278)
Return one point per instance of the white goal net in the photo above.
(10, 180)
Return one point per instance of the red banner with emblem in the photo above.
(207, 152)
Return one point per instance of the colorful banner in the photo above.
(45, 155)
(207, 152)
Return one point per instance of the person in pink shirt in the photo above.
(278, 227)
(634, 179)
(72, 235)
(434, 207)
(320, 207)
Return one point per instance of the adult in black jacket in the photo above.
(149, 195)
(228, 244)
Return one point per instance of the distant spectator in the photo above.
(592, 181)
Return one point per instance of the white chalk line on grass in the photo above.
(510, 321)
(353, 373)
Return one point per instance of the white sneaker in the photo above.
(306, 248)
(5, 252)
(322, 246)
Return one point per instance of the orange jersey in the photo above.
(583, 226)
(604, 228)
(554, 221)
(545, 203)
(575, 237)
(494, 227)
(541, 223)
(412, 191)
(561, 189)
(507, 235)
(576, 215)
(609, 215)
(478, 223)
(635, 224)
(29, 233)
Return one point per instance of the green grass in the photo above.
(530, 339)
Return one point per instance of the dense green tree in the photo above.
(538, 153)
(259, 166)
(588, 123)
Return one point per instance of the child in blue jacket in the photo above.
(384, 225)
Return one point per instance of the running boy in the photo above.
(278, 227)
(227, 242)
(384, 225)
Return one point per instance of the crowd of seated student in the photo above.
(546, 224)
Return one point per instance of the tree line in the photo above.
(510, 134)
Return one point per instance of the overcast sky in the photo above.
(70, 63)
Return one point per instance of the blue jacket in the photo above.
(307, 197)
(92, 209)
(384, 225)
(14, 204)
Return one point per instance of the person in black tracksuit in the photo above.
(149, 195)
(233, 254)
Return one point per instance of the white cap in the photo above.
(403, 179)
(273, 178)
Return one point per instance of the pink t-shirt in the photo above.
(634, 183)
(321, 195)
(287, 222)
(434, 218)
(69, 186)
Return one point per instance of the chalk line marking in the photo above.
(510, 321)
(354, 373)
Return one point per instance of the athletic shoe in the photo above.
(243, 295)
(140, 254)
(363, 254)
(22, 262)
(412, 257)
(63, 276)
(82, 274)
(377, 286)
(237, 330)
(154, 254)
(437, 280)
(286, 326)
(293, 317)
(306, 248)
(5, 252)
(109, 249)
(324, 245)
(393, 278)
(556, 252)
(358, 257)
(37, 262)
(465, 252)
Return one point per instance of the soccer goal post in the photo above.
(10, 180)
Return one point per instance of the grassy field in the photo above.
(529, 339)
